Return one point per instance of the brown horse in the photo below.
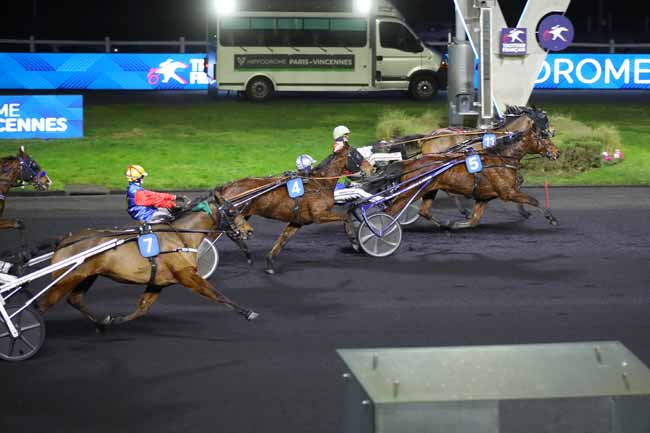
(175, 265)
(499, 178)
(315, 206)
(15, 171)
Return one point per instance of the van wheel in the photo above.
(423, 87)
(259, 89)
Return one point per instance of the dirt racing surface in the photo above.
(193, 366)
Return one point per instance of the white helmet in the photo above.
(304, 162)
(340, 131)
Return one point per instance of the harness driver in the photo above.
(148, 206)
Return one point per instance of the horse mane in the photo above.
(324, 163)
(6, 159)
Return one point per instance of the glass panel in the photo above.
(349, 24)
(290, 23)
(396, 36)
(235, 23)
(317, 24)
(263, 23)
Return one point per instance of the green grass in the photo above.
(202, 145)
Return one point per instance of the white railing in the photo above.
(110, 45)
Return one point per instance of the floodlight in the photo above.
(225, 7)
(363, 6)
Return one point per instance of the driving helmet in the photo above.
(304, 162)
(340, 131)
(135, 173)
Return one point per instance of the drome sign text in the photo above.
(42, 117)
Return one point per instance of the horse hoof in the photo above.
(525, 215)
(251, 315)
(270, 271)
(105, 321)
(100, 328)
(250, 262)
(553, 222)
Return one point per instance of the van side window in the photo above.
(395, 35)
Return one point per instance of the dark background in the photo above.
(170, 19)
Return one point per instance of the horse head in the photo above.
(31, 172)
(236, 224)
(537, 131)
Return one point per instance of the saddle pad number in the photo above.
(295, 188)
(148, 245)
(474, 164)
(489, 141)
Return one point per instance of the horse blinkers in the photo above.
(355, 159)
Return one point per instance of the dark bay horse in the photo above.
(315, 206)
(527, 124)
(125, 264)
(498, 179)
(15, 171)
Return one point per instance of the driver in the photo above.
(144, 205)
(341, 137)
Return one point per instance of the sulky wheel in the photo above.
(31, 328)
(387, 243)
(207, 259)
(412, 213)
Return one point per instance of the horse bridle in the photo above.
(354, 161)
(30, 172)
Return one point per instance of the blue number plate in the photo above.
(474, 164)
(295, 188)
(489, 141)
(148, 245)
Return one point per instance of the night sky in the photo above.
(170, 19)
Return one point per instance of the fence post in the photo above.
(612, 46)
(182, 44)
(107, 44)
(32, 44)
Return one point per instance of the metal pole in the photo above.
(107, 44)
(612, 46)
(32, 44)
(182, 44)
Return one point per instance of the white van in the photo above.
(262, 52)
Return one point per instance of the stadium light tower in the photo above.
(225, 7)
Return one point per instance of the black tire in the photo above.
(423, 87)
(259, 89)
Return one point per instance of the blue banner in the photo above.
(102, 71)
(42, 117)
(595, 71)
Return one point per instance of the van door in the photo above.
(399, 53)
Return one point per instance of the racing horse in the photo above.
(498, 179)
(16, 171)
(176, 263)
(517, 119)
(315, 206)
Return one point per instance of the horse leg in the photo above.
(522, 211)
(426, 209)
(76, 300)
(190, 279)
(477, 213)
(59, 290)
(348, 223)
(147, 299)
(524, 199)
(289, 231)
(11, 224)
(459, 205)
(243, 247)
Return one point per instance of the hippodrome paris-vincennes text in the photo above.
(11, 121)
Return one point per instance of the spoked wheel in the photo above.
(380, 246)
(31, 328)
(412, 214)
(207, 259)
